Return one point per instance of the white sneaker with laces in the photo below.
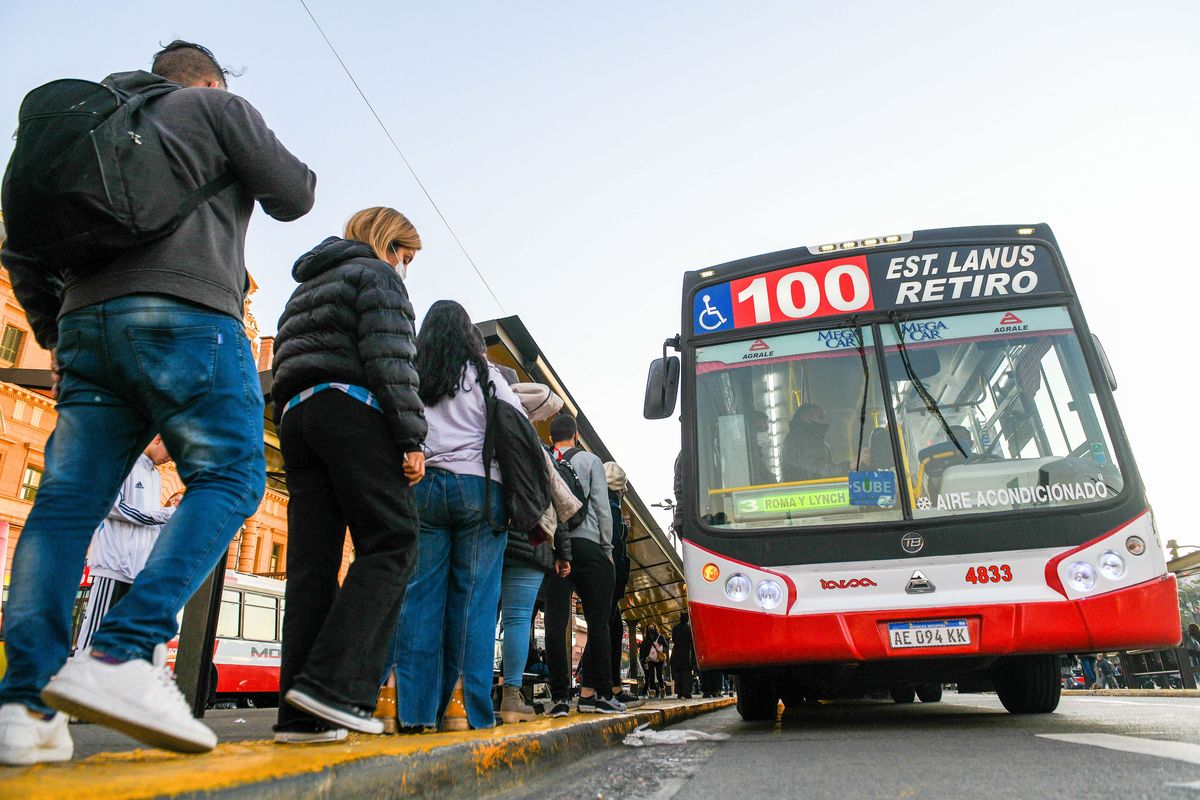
(310, 737)
(138, 698)
(26, 739)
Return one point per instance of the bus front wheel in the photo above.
(930, 692)
(903, 694)
(1028, 684)
(757, 698)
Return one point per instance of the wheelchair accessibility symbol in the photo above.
(713, 310)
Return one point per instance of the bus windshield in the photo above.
(792, 431)
(996, 411)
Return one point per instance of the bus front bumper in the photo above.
(1141, 616)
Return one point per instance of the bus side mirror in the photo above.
(662, 387)
(1109, 375)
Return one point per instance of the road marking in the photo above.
(1162, 748)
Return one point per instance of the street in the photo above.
(965, 746)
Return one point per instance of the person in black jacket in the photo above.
(351, 426)
(681, 657)
(654, 652)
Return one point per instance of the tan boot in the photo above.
(513, 707)
(385, 708)
(455, 718)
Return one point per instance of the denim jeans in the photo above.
(519, 587)
(447, 624)
(133, 367)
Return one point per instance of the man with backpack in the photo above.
(588, 538)
(146, 329)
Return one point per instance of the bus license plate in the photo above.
(939, 633)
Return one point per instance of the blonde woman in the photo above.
(351, 428)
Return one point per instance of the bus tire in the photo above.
(903, 694)
(930, 692)
(757, 699)
(1028, 684)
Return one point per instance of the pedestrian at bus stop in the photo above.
(591, 577)
(1107, 673)
(527, 563)
(123, 541)
(682, 658)
(150, 342)
(654, 654)
(444, 642)
(351, 426)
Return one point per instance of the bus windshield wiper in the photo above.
(862, 414)
(930, 404)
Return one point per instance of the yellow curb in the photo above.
(156, 773)
(1131, 692)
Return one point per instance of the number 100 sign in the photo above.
(841, 286)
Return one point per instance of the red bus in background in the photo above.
(246, 654)
(903, 466)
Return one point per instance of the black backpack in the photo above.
(511, 439)
(571, 479)
(89, 177)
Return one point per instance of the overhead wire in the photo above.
(403, 158)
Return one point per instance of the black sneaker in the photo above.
(600, 705)
(560, 709)
(628, 700)
(342, 716)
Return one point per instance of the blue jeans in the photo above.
(447, 624)
(519, 586)
(131, 368)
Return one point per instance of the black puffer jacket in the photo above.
(350, 321)
(520, 551)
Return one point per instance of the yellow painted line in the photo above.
(153, 773)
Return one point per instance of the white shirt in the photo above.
(122, 543)
(456, 426)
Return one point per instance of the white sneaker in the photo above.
(137, 698)
(26, 739)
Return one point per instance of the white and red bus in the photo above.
(246, 653)
(902, 466)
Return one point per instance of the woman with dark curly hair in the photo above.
(443, 648)
(345, 389)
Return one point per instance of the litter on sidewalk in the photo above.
(644, 736)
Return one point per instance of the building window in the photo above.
(276, 558)
(30, 483)
(10, 345)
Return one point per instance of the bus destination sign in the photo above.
(862, 282)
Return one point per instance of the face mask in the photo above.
(402, 268)
(764, 441)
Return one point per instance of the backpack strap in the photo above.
(489, 450)
(202, 194)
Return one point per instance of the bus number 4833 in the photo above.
(992, 574)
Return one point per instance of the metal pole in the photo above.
(193, 662)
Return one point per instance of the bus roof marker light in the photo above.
(737, 587)
(1112, 566)
(1025, 231)
(710, 572)
(893, 239)
(708, 273)
(871, 242)
(848, 245)
(1135, 545)
(1082, 576)
(827, 248)
(769, 594)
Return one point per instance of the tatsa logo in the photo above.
(853, 583)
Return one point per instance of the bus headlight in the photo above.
(1082, 576)
(737, 587)
(769, 594)
(1112, 566)
(1135, 545)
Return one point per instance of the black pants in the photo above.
(654, 677)
(592, 579)
(616, 633)
(342, 471)
(681, 674)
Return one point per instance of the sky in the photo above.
(587, 158)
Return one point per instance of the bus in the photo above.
(902, 467)
(247, 650)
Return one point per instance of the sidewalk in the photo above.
(377, 766)
(1132, 692)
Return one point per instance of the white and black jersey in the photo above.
(122, 543)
